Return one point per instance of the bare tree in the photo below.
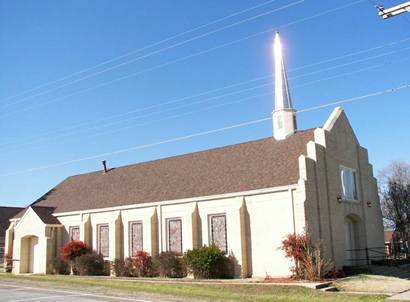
(394, 186)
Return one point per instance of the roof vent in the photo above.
(104, 163)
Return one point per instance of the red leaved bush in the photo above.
(310, 263)
(8, 261)
(73, 249)
(142, 264)
(295, 246)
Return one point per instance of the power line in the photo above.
(233, 102)
(203, 133)
(105, 125)
(180, 138)
(245, 90)
(172, 37)
(358, 98)
(196, 54)
(172, 46)
(185, 57)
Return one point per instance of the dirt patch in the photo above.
(373, 284)
(278, 280)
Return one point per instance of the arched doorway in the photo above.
(30, 255)
(352, 240)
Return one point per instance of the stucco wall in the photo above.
(336, 145)
(31, 230)
(271, 217)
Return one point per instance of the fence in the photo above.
(384, 254)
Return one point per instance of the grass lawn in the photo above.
(373, 283)
(210, 292)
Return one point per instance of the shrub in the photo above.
(170, 265)
(61, 266)
(8, 263)
(141, 265)
(118, 268)
(228, 271)
(123, 268)
(73, 249)
(310, 263)
(208, 262)
(295, 246)
(90, 264)
(335, 274)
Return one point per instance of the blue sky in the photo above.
(185, 85)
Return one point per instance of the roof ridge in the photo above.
(257, 164)
(11, 207)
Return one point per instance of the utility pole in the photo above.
(386, 13)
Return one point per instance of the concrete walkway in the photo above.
(402, 296)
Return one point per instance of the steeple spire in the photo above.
(284, 116)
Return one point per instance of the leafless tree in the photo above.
(394, 187)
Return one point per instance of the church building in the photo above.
(245, 198)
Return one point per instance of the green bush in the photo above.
(170, 265)
(61, 266)
(90, 264)
(209, 262)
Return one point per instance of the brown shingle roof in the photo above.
(44, 213)
(7, 213)
(252, 165)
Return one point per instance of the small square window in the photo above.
(349, 183)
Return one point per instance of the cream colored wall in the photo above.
(109, 218)
(183, 211)
(143, 215)
(67, 222)
(271, 218)
(336, 145)
(30, 225)
(230, 207)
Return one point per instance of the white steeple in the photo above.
(284, 116)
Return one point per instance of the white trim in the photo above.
(180, 201)
(333, 118)
(54, 225)
(26, 213)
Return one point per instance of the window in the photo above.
(103, 239)
(175, 235)
(349, 183)
(135, 233)
(74, 232)
(218, 231)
